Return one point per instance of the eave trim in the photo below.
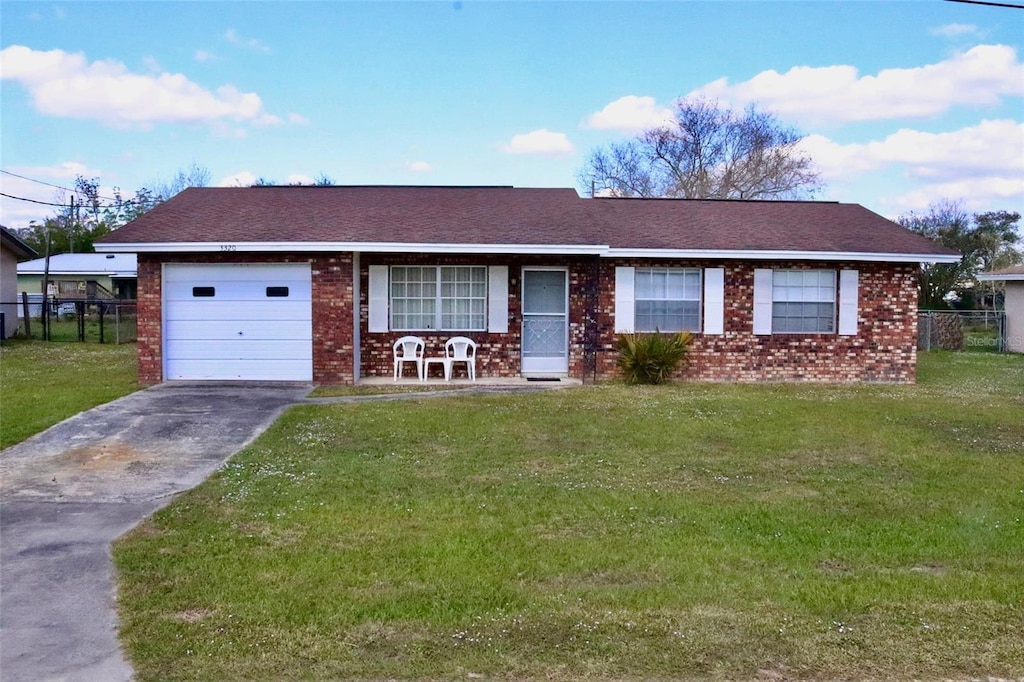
(603, 251)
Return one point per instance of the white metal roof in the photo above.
(110, 264)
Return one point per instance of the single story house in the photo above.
(317, 283)
(82, 276)
(11, 250)
(1013, 304)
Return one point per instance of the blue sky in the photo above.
(903, 103)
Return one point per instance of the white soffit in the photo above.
(522, 249)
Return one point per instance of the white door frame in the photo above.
(544, 365)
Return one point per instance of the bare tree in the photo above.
(708, 152)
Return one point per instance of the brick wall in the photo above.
(882, 350)
(332, 310)
(498, 355)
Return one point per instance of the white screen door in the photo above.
(545, 320)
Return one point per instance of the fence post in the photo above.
(24, 315)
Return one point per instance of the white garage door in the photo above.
(249, 321)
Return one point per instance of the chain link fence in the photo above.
(968, 330)
(54, 319)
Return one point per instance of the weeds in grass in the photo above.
(43, 383)
(666, 532)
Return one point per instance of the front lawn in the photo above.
(673, 532)
(44, 383)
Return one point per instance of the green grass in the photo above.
(608, 532)
(44, 383)
(383, 389)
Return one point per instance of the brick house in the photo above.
(316, 283)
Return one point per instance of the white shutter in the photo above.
(848, 293)
(714, 300)
(497, 299)
(762, 301)
(625, 303)
(378, 299)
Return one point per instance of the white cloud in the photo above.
(67, 85)
(297, 119)
(204, 56)
(954, 30)
(418, 166)
(978, 194)
(232, 36)
(981, 76)
(991, 148)
(630, 114)
(543, 142)
(984, 163)
(240, 179)
(14, 213)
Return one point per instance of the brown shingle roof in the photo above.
(508, 216)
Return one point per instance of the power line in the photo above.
(50, 184)
(33, 201)
(990, 4)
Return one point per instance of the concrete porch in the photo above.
(437, 382)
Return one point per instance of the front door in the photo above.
(545, 321)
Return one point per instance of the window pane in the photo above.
(463, 289)
(667, 299)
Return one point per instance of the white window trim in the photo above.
(438, 309)
(834, 302)
(379, 299)
(699, 300)
(712, 301)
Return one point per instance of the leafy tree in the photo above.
(708, 151)
(87, 214)
(986, 240)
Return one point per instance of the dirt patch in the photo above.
(105, 456)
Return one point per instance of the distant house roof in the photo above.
(512, 220)
(11, 242)
(1013, 274)
(109, 264)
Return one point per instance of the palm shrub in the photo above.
(651, 358)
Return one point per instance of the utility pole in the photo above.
(46, 288)
(71, 226)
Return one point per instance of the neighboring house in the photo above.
(1013, 304)
(316, 283)
(11, 249)
(82, 276)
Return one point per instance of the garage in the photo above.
(238, 321)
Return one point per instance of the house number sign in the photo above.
(228, 247)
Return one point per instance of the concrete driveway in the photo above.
(68, 492)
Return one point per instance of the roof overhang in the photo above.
(601, 250)
(1009, 277)
(752, 254)
(359, 247)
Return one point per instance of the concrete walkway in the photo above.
(66, 494)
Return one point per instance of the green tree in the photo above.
(708, 151)
(86, 214)
(985, 240)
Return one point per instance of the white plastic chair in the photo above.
(409, 349)
(461, 349)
